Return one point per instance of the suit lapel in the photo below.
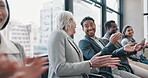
(75, 47)
(92, 41)
(102, 41)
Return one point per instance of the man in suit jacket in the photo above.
(111, 28)
(91, 45)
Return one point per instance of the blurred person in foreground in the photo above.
(13, 60)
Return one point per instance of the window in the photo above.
(145, 6)
(27, 20)
(33, 24)
(98, 0)
(113, 12)
(145, 19)
(81, 10)
(113, 4)
(113, 16)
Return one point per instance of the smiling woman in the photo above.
(4, 14)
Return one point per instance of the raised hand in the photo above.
(129, 47)
(146, 44)
(115, 37)
(104, 61)
(140, 46)
(142, 42)
(33, 70)
(134, 46)
(7, 67)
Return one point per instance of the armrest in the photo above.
(126, 67)
(106, 74)
(96, 75)
(101, 74)
(45, 74)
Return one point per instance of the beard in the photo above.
(91, 32)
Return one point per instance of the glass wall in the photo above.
(113, 16)
(146, 27)
(113, 4)
(113, 9)
(145, 2)
(95, 9)
(32, 21)
(81, 10)
(99, 0)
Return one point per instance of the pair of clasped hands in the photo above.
(139, 46)
(11, 69)
(107, 60)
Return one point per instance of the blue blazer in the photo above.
(89, 48)
(119, 49)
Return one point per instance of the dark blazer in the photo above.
(122, 57)
(89, 48)
(122, 54)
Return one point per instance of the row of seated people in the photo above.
(100, 54)
(12, 57)
(137, 66)
(65, 58)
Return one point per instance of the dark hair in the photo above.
(7, 20)
(86, 18)
(124, 30)
(108, 24)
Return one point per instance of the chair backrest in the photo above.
(45, 74)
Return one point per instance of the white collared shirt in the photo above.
(98, 42)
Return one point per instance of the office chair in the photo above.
(45, 74)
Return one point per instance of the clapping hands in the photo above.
(7, 67)
(10, 69)
(33, 70)
(104, 61)
(131, 47)
(115, 37)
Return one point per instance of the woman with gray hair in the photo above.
(65, 58)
